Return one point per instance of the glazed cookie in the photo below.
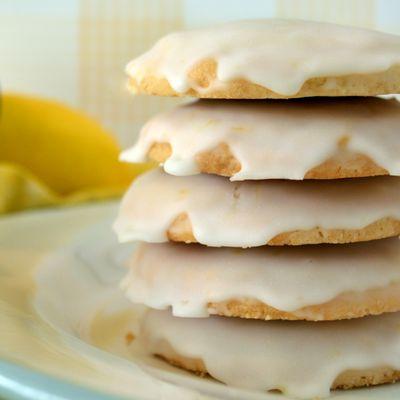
(285, 58)
(313, 283)
(213, 211)
(297, 139)
(303, 361)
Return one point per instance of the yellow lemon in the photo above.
(65, 149)
(62, 149)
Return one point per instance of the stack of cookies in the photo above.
(293, 202)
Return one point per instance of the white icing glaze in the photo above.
(302, 359)
(189, 277)
(275, 139)
(278, 54)
(250, 213)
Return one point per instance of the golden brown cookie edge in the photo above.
(346, 380)
(203, 74)
(347, 305)
(221, 161)
(181, 231)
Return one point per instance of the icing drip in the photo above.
(278, 54)
(275, 139)
(284, 278)
(302, 359)
(250, 213)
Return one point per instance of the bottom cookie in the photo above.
(300, 359)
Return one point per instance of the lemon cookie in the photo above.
(303, 359)
(297, 139)
(269, 58)
(213, 211)
(312, 283)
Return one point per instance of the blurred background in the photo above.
(73, 53)
(75, 50)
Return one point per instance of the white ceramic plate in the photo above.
(79, 331)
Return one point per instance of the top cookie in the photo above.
(269, 58)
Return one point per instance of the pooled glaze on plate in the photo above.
(53, 296)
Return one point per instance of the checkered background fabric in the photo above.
(76, 50)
